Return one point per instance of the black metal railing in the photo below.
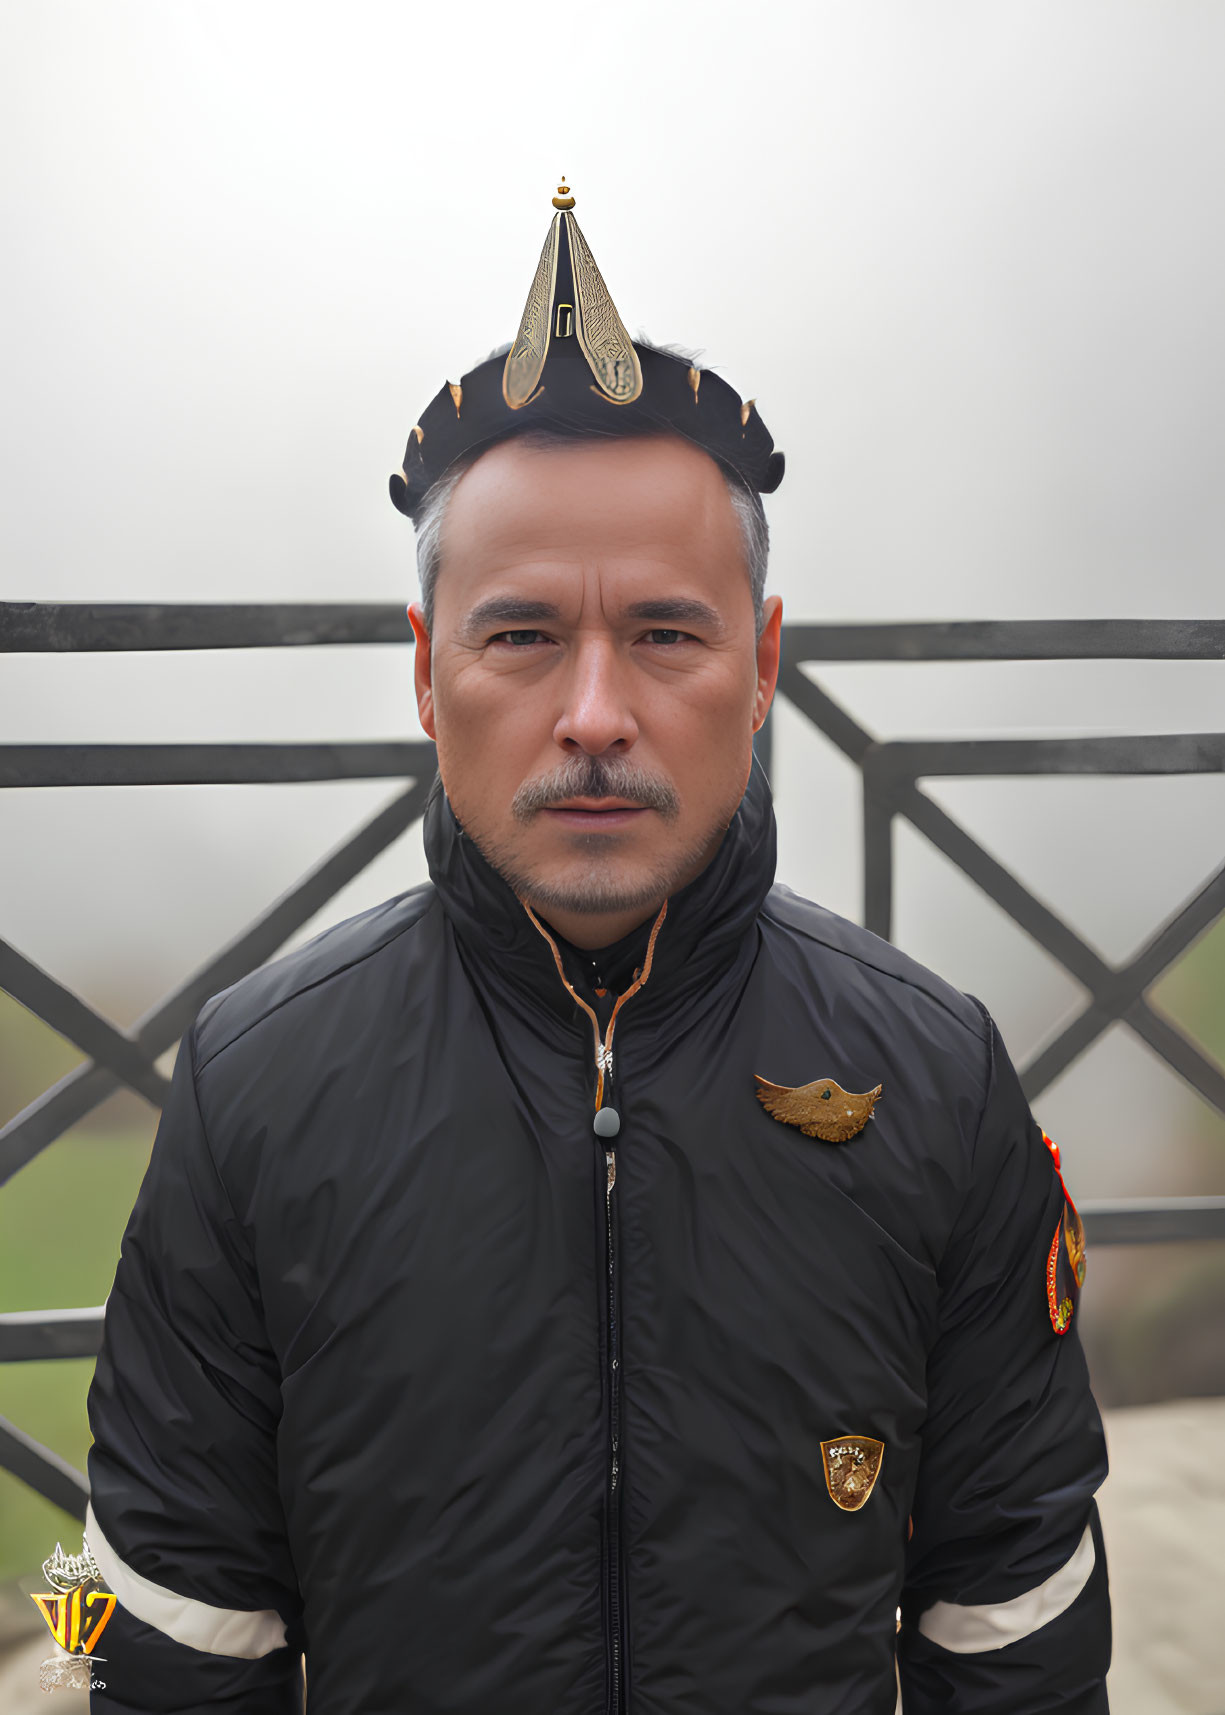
(891, 774)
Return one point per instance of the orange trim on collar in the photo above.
(603, 1049)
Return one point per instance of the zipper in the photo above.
(603, 1044)
(613, 1545)
(607, 1125)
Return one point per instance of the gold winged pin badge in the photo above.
(821, 1109)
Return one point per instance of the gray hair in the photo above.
(431, 516)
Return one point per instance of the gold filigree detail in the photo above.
(1074, 1235)
(745, 412)
(600, 394)
(563, 199)
(457, 394)
(418, 431)
(66, 1673)
(65, 1571)
(609, 350)
(525, 360)
(695, 381)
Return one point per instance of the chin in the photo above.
(595, 889)
(601, 886)
(589, 877)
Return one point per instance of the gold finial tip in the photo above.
(563, 199)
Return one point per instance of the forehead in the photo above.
(636, 505)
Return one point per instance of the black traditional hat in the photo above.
(571, 367)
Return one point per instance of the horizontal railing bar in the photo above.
(1121, 753)
(52, 765)
(62, 627)
(42, 1470)
(210, 764)
(1011, 640)
(69, 627)
(1154, 1221)
(29, 1334)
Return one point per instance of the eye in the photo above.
(518, 639)
(666, 636)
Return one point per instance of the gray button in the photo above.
(607, 1122)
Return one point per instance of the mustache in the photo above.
(596, 777)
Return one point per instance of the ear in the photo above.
(423, 670)
(769, 646)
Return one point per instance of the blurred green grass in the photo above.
(1193, 991)
(61, 1219)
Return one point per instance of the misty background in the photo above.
(969, 259)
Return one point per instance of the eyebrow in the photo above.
(518, 611)
(676, 610)
(509, 611)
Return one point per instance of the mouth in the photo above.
(604, 815)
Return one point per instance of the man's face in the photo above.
(593, 679)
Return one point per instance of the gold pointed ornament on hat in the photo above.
(591, 319)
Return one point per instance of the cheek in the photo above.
(705, 737)
(707, 686)
(486, 734)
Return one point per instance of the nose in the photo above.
(596, 714)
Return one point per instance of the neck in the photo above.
(589, 929)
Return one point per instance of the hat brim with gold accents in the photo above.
(574, 369)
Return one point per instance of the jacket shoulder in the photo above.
(877, 962)
(336, 950)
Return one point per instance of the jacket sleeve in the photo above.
(184, 1519)
(1005, 1607)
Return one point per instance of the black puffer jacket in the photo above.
(407, 1369)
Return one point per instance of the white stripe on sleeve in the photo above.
(246, 1633)
(968, 1630)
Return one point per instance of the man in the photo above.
(600, 1279)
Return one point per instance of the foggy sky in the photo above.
(968, 258)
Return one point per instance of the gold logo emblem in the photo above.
(852, 1465)
(76, 1615)
(823, 1109)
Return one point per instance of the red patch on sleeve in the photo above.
(1065, 1260)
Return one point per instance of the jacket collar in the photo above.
(706, 921)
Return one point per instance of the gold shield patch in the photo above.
(852, 1465)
